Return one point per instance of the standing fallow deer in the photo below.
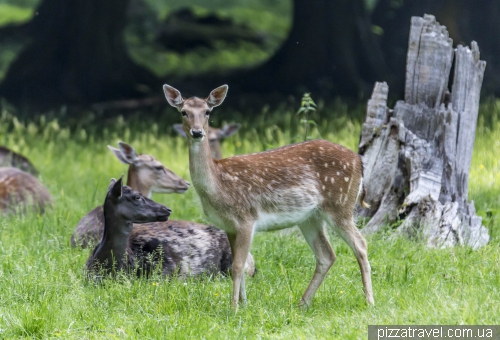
(306, 184)
(145, 174)
(20, 191)
(215, 136)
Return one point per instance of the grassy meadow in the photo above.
(43, 292)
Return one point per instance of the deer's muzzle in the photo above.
(197, 133)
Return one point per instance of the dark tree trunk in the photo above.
(330, 50)
(466, 20)
(76, 56)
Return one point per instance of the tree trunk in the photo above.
(76, 56)
(417, 157)
(330, 50)
(466, 20)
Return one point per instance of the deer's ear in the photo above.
(118, 154)
(216, 97)
(228, 130)
(173, 96)
(115, 187)
(180, 130)
(129, 153)
(111, 184)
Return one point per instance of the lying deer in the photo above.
(182, 250)
(177, 237)
(215, 136)
(145, 174)
(308, 184)
(9, 158)
(123, 206)
(21, 191)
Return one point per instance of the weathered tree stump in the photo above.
(417, 156)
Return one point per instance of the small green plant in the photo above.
(307, 105)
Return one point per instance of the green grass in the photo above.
(43, 293)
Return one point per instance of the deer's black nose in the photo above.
(167, 211)
(196, 133)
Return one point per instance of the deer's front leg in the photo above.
(240, 247)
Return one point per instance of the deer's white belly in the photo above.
(279, 220)
(287, 207)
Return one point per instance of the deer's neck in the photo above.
(215, 149)
(202, 167)
(112, 251)
(134, 181)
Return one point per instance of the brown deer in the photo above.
(215, 136)
(306, 184)
(145, 174)
(20, 191)
(181, 250)
(10, 158)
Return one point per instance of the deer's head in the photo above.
(149, 174)
(126, 204)
(195, 111)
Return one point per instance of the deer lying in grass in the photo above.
(145, 174)
(306, 184)
(215, 136)
(122, 207)
(20, 191)
(182, 250)
(9, 158)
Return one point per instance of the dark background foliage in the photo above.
(116, 54)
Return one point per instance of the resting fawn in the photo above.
(21, 191)
(122, 207)
(16, 160)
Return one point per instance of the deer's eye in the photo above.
(159, 168)
(184, 113)
(207, 113)
(137, 197)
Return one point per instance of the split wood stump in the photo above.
(417, 156)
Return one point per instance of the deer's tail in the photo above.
(362, 198)
(362, 188)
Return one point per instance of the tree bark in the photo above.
(417, 157)
(330, 50)
(76, 56)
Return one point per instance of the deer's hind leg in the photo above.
(315, 235)
(347, 230)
